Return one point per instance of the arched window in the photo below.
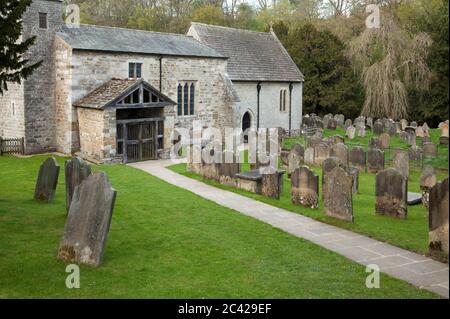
(186, 98)
(192, 100)
(283, 97)
(180, 100)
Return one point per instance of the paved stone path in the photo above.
(418, 270)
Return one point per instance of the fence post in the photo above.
(23, 146)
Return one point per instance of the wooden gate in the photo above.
(12, 146)
(140, 140)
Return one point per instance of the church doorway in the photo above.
(246, 125)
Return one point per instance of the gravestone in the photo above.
(88, 222)
(426, 139)
(350, 132)
(76, 171)
(419, 132)
(411, 140)
(354, 172)
(385, 141)
(374, 143)
(392, 129)
(305, 187)
(47, 181)
(332, 124)
(413, 124)
(369, 122)
(443, 140)
(338, 190)
(360, 130)
(430, 150)
(272, 184)
(401, 163)
(321, 153)
(378, 128)
(348, 123)
(357, 158)
(415, 153)
(340, 119)
(375, 160)
(427, 180)
(391, 191)
(340, 151)
(404, 136)
(309, 156)
(284, 157)
(337, 139)
(296, 158)
(326, 120)
(438, 219)
(404, 123)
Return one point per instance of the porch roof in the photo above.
(109, 93)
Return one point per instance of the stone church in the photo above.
(113, 94)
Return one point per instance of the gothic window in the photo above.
(283, 103)
(186, 99)
(135, 70)
(43, 24)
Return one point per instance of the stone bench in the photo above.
(269, 185)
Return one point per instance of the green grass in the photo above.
(411, 234)
(166, 242)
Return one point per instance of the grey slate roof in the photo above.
(253, 56)
(112, 90)
(98, 38)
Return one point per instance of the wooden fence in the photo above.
(12, 146)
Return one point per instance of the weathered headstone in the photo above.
(272, 184)
(296, 158)
(76, 171)
(347, 123)
(401, 163)
(332, 124)
(415, 153)
(413, 124)
(374, 143)
(404, 136)
(47, 180)
(404, 123)
(321, 153)
(340, 151)
(411, 140)
(378, 128)
(284, 157)
(309, 156)
(427, 180)
(420, 132)
(369, 122)
(385, 140)
(392, 128)
(354, 172)
(391, 191)
(360, 130)
(357, 158)
(305, 187)
(375, 160)
(338, 190)
(426, 139)
(350, 132)
(88, 222)
(438, 219)
(430, 150)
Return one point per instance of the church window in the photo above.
(135, 70)
(186, 99)
(43, 24)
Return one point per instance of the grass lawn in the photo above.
(411, 234)
(166, 242)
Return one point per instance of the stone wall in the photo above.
(39, 88)
(92, 138)
(270, 114)
(12, 116)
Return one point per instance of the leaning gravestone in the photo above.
(338, 199)
(427, 181)
(430, 150)
(296, 158)
(357, 158)
(88, 221)
(385, 140)
(350, 132)
(47, 180)
(391, 193)
(401, 163)
(76, 171)
(340, 151)
(438, 219)
(375, 160)
(305, 187)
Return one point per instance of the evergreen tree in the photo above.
(13, 67)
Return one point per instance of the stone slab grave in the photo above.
(296, 158)
(357, 158)
(391, 191)
(305, 187)
(430, 150)
(375, 160)
(47, 181)
(76, 171)
(400, 161)
(427, 181)
(261, 181)
(438, 219)
(250, 181)
(88, 222)
(338, 190)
